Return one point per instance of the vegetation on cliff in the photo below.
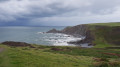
(107, 24)
(106, 34)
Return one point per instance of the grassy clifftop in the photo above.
(106, 34)
(107, 24)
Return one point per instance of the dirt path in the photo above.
(1, 49)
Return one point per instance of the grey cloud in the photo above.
(4, 0)
(67, 12)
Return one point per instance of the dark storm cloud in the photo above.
(58, 12)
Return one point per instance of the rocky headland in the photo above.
(77, 31)
(93, 34)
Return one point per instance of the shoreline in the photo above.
(24, 44)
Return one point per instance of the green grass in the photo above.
(91, 52)
(105, 34)
(43, 56)
(107, 24)
(32, 57)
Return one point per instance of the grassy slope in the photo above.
(32, 57)
(43, 56)
(105, 35)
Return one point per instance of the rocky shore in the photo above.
(77, 31)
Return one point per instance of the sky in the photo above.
(58, 12)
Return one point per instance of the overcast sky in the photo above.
(57, 12)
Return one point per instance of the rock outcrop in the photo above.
(89, 38)
(77, 31)
(54, 31)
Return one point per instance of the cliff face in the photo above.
(80, 31)
(77, 31)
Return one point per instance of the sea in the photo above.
(36, 35)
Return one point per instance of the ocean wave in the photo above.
(61, 39)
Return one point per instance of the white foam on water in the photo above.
(62, 39)
(41, 32)
(58, 39)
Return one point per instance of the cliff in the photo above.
(77, 31)
(95, 34)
